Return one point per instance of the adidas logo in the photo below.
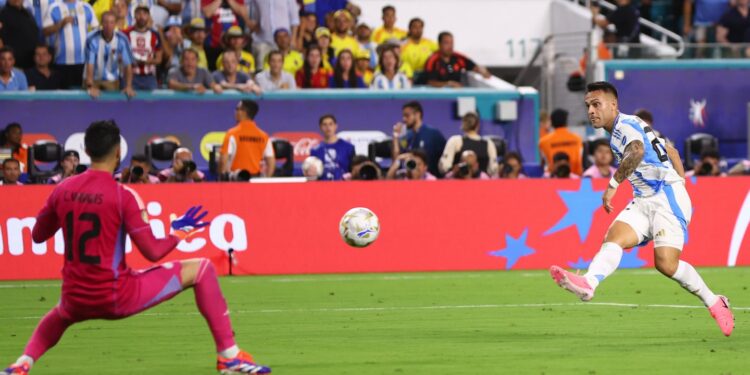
(661, 233)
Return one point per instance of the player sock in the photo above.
(25, 359)
(47, 333)
(230, 352)
(689, 279)
(213, 306)
(604, 263)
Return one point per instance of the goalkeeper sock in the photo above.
(212, 306)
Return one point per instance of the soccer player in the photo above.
(95, 213)
(660, 211)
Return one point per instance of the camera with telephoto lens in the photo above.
(562, 171)
(136, 172)
(239, 175)
(706, 169)
(507, 170)
(463, 170)
(411, 164)
(188, 167)
(368, 172)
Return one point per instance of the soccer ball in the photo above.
(359, 227)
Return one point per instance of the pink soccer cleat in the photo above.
(723, 315)
(575, 284)
(22, 369)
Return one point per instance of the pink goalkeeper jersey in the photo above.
(95, 213)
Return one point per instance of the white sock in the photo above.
(230, 352)
(604, 263)
(689, 279)
(25, 359)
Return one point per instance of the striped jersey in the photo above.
(655, 170)
(144, 46)
(107, 57)
(399, 82)
(40, 8)
(70, 41)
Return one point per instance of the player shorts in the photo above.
(134, 292)
(662, 217)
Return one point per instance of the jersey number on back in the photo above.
(659, 148)
(96, 227)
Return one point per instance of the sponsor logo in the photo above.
(698, 114)
(302, 142)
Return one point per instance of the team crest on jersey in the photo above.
(144, 216)
(624, 140)
(698, 113)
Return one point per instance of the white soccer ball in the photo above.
(359, 227)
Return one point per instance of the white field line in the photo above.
(423, 308)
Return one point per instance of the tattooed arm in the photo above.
(632, 157)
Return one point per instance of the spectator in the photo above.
(121, 9)
(484, 151)
(602, 167)
(197, 36)
(323, 35)
(709, 165)
(106, 49)
(702, 27)
(11, 78)
(335, 153)
(468, 168)
(313, 74)
(341, 40)
(560, 167)
(734, 23)
(271, 16)
(328, 7)
(344, 74)
(446, 68)
(19, 32)
(220, 16)
(312, 168)
(562, 140)
(246, 145)
(418, 136)
(625, 18)
(396, 46)
(183, 168)
(68, 165)
(275, 78)
(12, 138)
(362, 66)
(389, 29)
(545, 124)
(230, 78)
(388, 77)
(11, 172)
(69, 21)
(174, 44)
(410, 166)
(139, 172)
(235, 40)
(363, 169)
(646, 116)
(363, 34)
(417, 50)
(38, 10)
(189, 77)
(742, 168)
(293, 60)
(511, 166)
(306, 31)
(147, 52)
(42, 76)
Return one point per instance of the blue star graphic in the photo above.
(580, 264)
(514, 249)
(630, 259)
(581, 206)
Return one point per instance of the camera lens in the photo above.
(411, 164)
(368, 172)
(705, 170)
(189, 166)
(463, 170)
(563, 171)
(137, 171)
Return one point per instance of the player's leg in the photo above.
(45, 336)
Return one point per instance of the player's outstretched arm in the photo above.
(632, 157)
(46, 222)
(674, 157)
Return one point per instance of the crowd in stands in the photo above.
(215, 45)
(417, 152)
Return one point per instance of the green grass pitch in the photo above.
(418, 323)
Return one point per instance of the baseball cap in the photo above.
(343, 12)
(198, 23)
(234, 31)
(362, 54)
(140, 4)
(322, 31)
(71, 152)
(280, 30)
(173, 21)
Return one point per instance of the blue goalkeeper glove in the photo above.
(189, 223)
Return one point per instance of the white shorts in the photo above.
(662, 217)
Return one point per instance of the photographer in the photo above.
(468, 168)
(410, 166)
(363, 169)
(742, 168)
(70, 166)
(183, 168)
(511, 166)
(708, 165)
(138, 172)
(560, 167)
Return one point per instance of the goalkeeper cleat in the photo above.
(241, 364)
(14, 369)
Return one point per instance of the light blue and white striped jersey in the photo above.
(70, 42)
(130, 18)
(381, 82)
(656, 169)
(108, 57)
(40, 8)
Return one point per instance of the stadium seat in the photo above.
(161, 150)
(282, 149)
(44, 152)
(380, 149)
(697, 144)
